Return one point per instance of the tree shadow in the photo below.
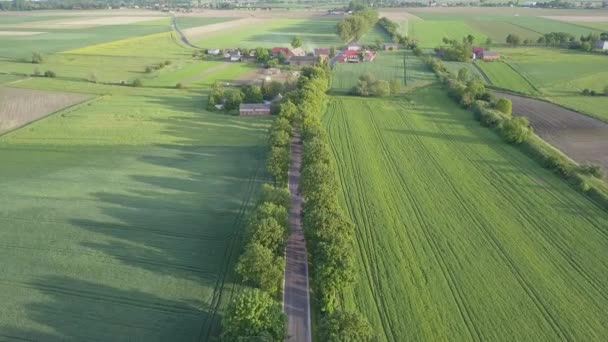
(79, 310)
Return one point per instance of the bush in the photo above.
(606, 90)
(137, 83)
(36, 72)
(37, 58)
(93, 78)
(593, 170)
(167, 62)
(178, 86)
(278, 164)
(343, 326)
(50, 74)
(504, 105)
(516, 130)
(276, 195)
(253, 316)
(149, 69)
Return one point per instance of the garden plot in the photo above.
(20, 106)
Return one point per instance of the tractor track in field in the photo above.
(230, 256)
(509, 262)
(102, 297)
(490, 237)
(431, 240)
(366, 247)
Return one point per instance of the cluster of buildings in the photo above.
(355, 53)
(485, 55)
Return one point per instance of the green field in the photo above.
(461, 236)
(429, 34)
(122, 218)
(275, 32)
(387, 66)
(504, 76)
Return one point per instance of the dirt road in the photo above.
(296, 299)
(581, 137)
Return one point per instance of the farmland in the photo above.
(486, 252)
(122, 217)
(502, 75)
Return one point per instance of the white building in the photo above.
(602, 45)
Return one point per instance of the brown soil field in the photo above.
(581, 18)
(581, 137)
(22, 106)
(84, 22)
(19, 33)
(508, 11)
(275, 13)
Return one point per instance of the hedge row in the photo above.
(256, 314)
(329, 233)
(496, 114)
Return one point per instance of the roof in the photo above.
(303, 58)
(297, 52)
(491, 54)
(350, 53)
(276, 50)
(254, 106)
(321, 51)
(477, 49)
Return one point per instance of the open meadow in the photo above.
(459, 235)
(121, 217)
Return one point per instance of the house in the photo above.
(491, 56)
(213, 52)
(354, 47)
(299, 52)
(254, 109)
(477, 52)
(235, 56)
(302, 60)
(277, 50)
(321, 53)
(349, 56)
(390, 46)
(602, 45)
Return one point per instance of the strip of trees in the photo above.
(354, 26)
(256, 313)
(496, 114)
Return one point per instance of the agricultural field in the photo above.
(19, 106)
(502, 75)
(497, 248)
(430, 34)
(122, 216)
(387, 66)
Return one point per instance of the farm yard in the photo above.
(486, 252)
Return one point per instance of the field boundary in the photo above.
(523, 76)
(483, 73)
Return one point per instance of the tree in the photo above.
(381, 88)
(252, 94)
(137, 82)
(282, 57)
(395, 86)
(470, 39)
(37, 58)
(296, 42)
(343, 326)
(504, 105)
(278, 163)
(489, 41)
(463, 74)
(513, 39)
(259, 266)
(262, 55)
(516, 130)
(276, 195)
(271, 89)
(253, 314)
(233, 99)
(606, 90)
(268, 233)
(332, 52)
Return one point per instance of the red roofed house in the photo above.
(352, 56)
(477, 52)
(276, 50)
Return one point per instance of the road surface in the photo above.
(296, 301)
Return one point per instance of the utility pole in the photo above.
(405, 66)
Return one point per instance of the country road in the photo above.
(296, 301)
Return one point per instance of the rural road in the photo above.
(296, 301)
(582, 137)
(181, 34)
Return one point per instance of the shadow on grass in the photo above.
(78, 310)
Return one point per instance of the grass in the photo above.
(430, 34)
(461, 236)
(377, 33)
(542, 26)
(122, 218)
(187, 22)
(498, 30)
(275, 32)
(504, 76)
(387, 66)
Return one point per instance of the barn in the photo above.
(247, 109)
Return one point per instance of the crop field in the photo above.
(562, 74)
(274, 32)
(497, 248)
(504, 76)
(429, 34)
(19, 106)
(387, 66)
(498, 30)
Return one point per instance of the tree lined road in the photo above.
(296, 299)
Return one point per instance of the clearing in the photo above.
(459, 235)
(21, 106)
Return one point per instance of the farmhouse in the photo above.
(477, 52)
(302, 60)
(254, 109)
(213, 52)
(277, 50)
(321, 53)
(299, 52)
(601, 45)
(491, 56)
(354, 47)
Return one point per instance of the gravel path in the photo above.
(296, 301)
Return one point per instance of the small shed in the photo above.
(491, 56)
(213, 52)
(254, 109)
